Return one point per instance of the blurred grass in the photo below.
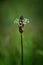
(10, 46)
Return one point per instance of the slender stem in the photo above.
(21, 50)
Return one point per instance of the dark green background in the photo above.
(10, 43)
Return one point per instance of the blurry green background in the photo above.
(10, 43)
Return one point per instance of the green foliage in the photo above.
(10, 43)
